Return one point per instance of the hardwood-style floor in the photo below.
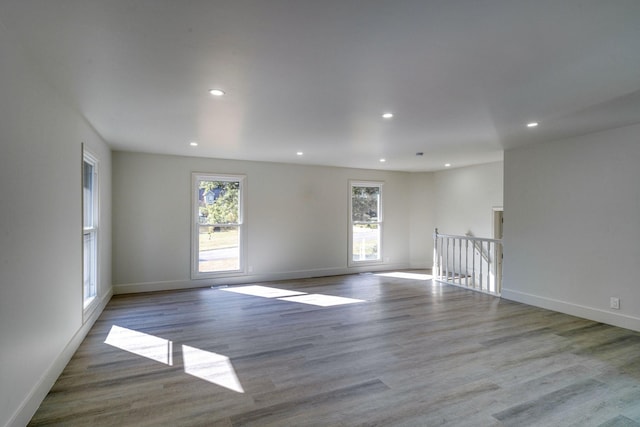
(413, 353)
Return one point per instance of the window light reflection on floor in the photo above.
(321, 300)
(211, 367)
(292, 296)
(262, 291)
(405, 275)
(145, 345)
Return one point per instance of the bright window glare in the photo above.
(402, 275)
(321, 300)
(212, 367)
(142, 344)
(262, 291)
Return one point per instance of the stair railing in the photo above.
(468, 261)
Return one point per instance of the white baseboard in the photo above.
(595, 314)
(128, 288)
(31, 403)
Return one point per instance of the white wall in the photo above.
(41, 314)
(464, 198)
(421, 219)
(572, 225)
(296, 217)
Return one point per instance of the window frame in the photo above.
(196, 177)
(92, 230)
(380, 222)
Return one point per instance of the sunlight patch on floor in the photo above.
(212, 367)
(262, 291)
(405, 275)
(142, 344)
(208, 366)
(292, 296)
(321, 300)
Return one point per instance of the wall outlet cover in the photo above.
(614, 303)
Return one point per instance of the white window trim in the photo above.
(242, 227)
(90, 304)
(350, 261)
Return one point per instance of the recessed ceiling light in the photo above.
(387, 115)
(447, 165)
(193, 144)
(216, 92)
(383, 160)
(299, 153)
(532, 124)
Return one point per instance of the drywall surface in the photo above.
(465, 197)
(41, 310)
(572, 228)
(296, 218)
(422, 219)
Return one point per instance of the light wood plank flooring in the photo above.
(414, 353)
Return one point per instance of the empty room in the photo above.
(319, 213)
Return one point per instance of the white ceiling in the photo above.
(463, 77)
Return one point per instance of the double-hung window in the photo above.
(218, 225)
(89, 228)
(365, 222)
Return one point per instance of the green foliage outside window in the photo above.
(225, 208)
(365, 203)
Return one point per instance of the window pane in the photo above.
(90, 260)
(219, 202)
(89, 224)
(365, 203)
(219, 248)
(88, 189)
(218, 230)
(366, 242)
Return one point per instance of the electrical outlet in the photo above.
(614, 303)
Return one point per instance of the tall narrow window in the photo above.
(218, 226)
(365, 229)
(90, 227)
